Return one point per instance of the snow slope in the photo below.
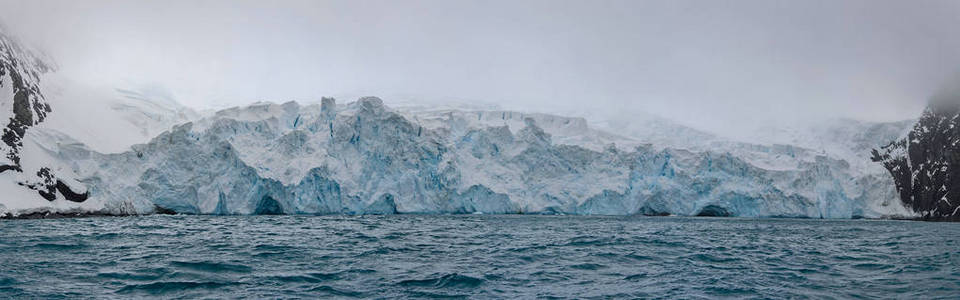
(28, 181)
(41, 112)
(109, 119)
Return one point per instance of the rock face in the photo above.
(23, 103)
(926, 163)
(22, 107)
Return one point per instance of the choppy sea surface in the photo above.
(476, 257)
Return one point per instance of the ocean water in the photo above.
(476, 257)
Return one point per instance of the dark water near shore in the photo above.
(477, 257)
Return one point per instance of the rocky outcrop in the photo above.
(925, 164)
(23, 106)
(20, 72)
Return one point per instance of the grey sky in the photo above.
(722, 65)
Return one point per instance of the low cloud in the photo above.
(722, 66)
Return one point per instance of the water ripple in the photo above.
(486, 256)
(165, 287)
(445, 281)
(214, 267)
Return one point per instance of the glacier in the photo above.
(366, 158)
(134, 150)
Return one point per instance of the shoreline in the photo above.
(39, 215)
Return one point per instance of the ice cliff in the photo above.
(136, 151)
(365, 158)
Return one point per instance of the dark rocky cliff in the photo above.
(926, 163)
(20, 72)
(22, 106)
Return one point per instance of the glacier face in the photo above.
(366, 158)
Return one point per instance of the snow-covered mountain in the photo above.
(23, 107)
(23, 104)
(43, 111)
(926, 163)
(136, 151)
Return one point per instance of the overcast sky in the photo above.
(725, 65)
